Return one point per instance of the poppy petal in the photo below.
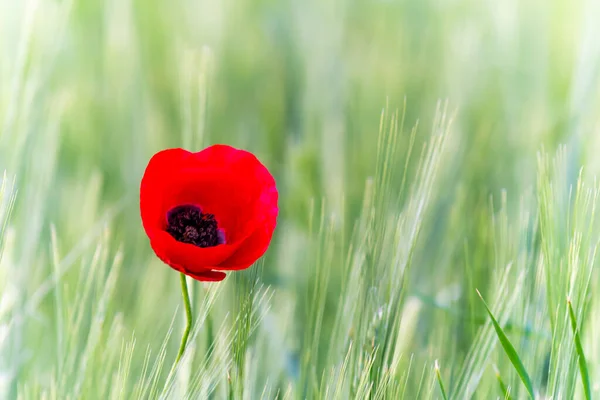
(208, 276)
(161, 168)
(222, 154)
(204, 275)
(252, 249)
(215, 192)
(192, 258)
(257, 244)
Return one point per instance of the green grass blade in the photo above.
(439, 379)
(585, 376)
(503, 388)
(510, 351)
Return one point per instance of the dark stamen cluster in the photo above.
(188, 224)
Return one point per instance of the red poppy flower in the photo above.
(208, 212)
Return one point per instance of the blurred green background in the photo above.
(91, 89)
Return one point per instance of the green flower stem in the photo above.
(188, 317)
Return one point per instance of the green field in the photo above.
(424, 150)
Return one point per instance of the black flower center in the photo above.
(188, 224)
